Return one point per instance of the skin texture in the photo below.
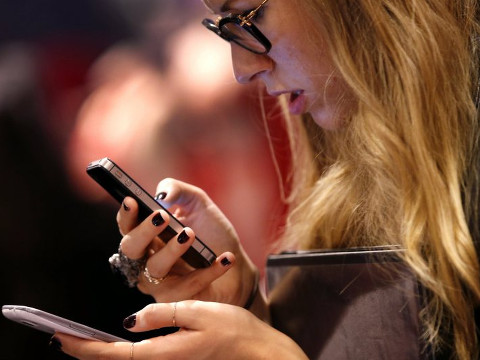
(291, 66)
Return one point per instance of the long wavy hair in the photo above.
(405, 168)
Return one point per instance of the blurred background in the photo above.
(143, 83)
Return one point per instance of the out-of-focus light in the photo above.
(201, 63)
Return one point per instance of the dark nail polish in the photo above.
(161, 196)
(183, 237)
(157, 220)
(225, 261)
(130, 321)
(55, 344)
(125, 207)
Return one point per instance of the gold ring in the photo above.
(152, 279)
(174, 322)
(131, 350)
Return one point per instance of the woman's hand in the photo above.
(179, 281)
(207, 331)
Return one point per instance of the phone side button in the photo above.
(118, 174)
(29, 323)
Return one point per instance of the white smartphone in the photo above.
(49, 323)
(119, 185)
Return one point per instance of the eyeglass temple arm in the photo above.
(252, 13)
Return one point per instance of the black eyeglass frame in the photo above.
(244, 21)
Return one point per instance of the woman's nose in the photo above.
(248, 65)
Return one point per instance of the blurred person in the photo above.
(387, 153)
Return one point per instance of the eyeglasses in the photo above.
(241, 30)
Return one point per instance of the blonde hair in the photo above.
(405, 168)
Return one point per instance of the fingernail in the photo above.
(130, 321)
(225, 261)
(55, 344)
(161, 196)
(126, 208)
(183, 237)
(157, 220)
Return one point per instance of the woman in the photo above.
(386, 90)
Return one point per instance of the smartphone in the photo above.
(49, 323)
(119, 185)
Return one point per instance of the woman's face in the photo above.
(298, 63)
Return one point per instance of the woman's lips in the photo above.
(297, 102)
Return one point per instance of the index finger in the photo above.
(127, 215)
(180, 193)
(156, 316)
(189, 314)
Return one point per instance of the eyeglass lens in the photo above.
(242, 37)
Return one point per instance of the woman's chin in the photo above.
(326, 120)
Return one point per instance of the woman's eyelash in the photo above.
(257, 16)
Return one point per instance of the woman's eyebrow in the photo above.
(218, 9)
(225, 7)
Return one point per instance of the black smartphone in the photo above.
(119, 184)
(49, 323)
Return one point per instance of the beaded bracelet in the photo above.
(130, 269)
